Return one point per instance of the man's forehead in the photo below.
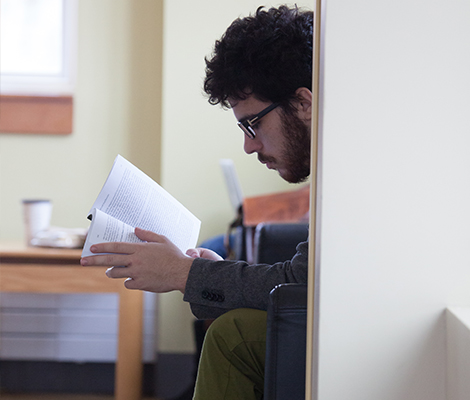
(243, 112)
(245, 97)
(247, 107)
(234, 101)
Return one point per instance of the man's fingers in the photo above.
(149, 236)
(117, 272)
(130, 283)
(105, 260)
(113, 247)
(193, 253)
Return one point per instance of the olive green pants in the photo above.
(232, 359)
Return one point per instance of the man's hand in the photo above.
(155, 266)
(204, 253)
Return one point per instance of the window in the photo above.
(37, 64)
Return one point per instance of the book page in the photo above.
(134, 198)
(105, 228)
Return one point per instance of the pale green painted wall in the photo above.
(195, 135)
(108, 113)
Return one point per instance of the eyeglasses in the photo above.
(247, 125)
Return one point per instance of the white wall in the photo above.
(458, 352)
(395, 236)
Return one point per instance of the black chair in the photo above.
(284, 373)
(287, 315)
(274, 242)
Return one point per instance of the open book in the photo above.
(130, 199)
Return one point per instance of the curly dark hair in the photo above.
(268, 54)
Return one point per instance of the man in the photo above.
(262, 69)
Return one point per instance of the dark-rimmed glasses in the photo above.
(247, 125)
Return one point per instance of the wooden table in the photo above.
(40, 270)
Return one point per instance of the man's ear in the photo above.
(304, 103)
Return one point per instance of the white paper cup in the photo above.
(37, 217)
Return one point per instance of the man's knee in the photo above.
(233, 356)
(239, 319)
(239, 325)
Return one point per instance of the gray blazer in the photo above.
(215, 287)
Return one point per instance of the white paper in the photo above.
(135, 200)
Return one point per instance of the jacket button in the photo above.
(205, 294)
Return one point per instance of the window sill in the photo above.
(36, 114)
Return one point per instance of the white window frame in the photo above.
(58, 85)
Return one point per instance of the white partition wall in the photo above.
(395, 236)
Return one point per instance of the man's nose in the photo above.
(252, 145)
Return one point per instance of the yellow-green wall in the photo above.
(139, 93)
(195, 135)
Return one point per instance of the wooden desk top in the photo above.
(51, 270)
(17, 249)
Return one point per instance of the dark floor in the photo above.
(59, 397)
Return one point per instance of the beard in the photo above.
(296, 152)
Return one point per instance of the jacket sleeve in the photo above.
(215, 287)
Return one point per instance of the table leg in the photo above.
(128, 378)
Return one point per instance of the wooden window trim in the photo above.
(36, 114)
